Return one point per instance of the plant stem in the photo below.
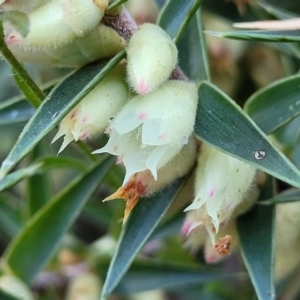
(33, 93)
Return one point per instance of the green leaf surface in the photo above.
(115, 3)
(289, 195)
(38, 240)
(192, 50)
(17, 176)
(223, 124)
(175, 16)
(276, 104)
(56, 106)
(162, 276)
(140, 225)
(9, 223)
(18, 109)
(6, 296)
(15, 111)
(51, 162)
(260, 35)
(277, 12)
(256, 235)
(38, 188)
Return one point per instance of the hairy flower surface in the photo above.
(144, 184)
(101, 42)
(56, 23)
(90, 117)
(222, 184)
(149, 131)
(151, 57)
(21, 5)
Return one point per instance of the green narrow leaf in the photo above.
(223, 124)
(6, 296)
(115, 3)
(256, 235)
(56, 106)
(15, 111)
(51, 162)
(36, 94)
(192, 50)
(38, 189)
(36, 243)
(140, 225)
(160, 276)
(175, 16)
(18, 109)
(276, 104)
(17, 176)
(289, 195)
(277, 12)
(260, 35)
(8, 220)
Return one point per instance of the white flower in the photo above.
(222, 184)
(149, 131)
(151, 57)
(90, 117)
(143, 184)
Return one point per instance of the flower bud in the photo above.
(16, 287)
(143, 11)
(21, 5)
(91, 115)
(149, 131)
(101, 42)
(57, 23)
(287, 239)
(151, 57)
(143, 183)
(223, 184)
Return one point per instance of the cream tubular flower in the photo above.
(222, 185)
(57, 23)
(149, 131)
(143, 184)
(287, 238)
(101, 42)
(151, 57)
(21, 5)
(91, 116)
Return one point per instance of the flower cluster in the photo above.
(224, 188)
(148, 114)
(64, 33)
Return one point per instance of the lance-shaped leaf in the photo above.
(192, 50)
(6, 296)
(276, 104)
(56, 106)
(15, 110)
(140, 225)
(175, 16)
(223, 124)
(39, 239)
(277, 11)
(17, 176)
(143, 277)
(260, 35)
(289, 195)
(115, 3)
(256, 235)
